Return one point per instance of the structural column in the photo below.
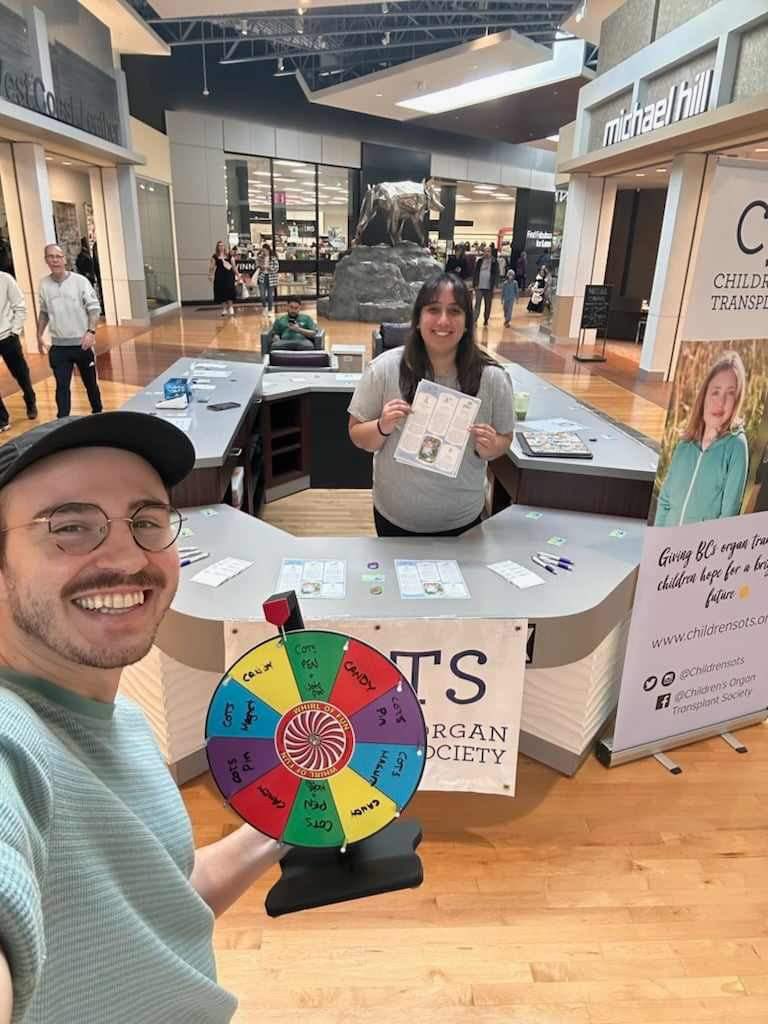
(126, 256)
(36, 218)
(586, 232)
(675, 244)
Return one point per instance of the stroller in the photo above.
(538, 299)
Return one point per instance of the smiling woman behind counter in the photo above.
(408, 501)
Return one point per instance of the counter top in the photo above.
(617, 453)
(602, 564)
(211, 432)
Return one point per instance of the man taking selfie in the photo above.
(106, 908)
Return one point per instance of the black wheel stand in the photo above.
(385, 862)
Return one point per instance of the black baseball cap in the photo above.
(166, 448)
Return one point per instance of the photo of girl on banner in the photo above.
(715, 437)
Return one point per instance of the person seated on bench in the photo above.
(294, 331)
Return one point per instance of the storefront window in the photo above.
(6, 259)
(295, 220)
(157, 242)
(249, 203)
(304, 211)
(335, 197)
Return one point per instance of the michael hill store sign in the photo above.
(684, 99)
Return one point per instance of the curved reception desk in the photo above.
(545, 660)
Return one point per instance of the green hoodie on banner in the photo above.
(702, 485)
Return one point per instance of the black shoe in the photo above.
(31, 412)
(96, 411)
(4, 427)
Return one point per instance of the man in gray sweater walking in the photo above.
(70, 308)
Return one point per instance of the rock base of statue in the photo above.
(378, 283)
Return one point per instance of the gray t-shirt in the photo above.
(415, 499)
(484, 280)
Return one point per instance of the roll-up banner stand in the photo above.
(696, 662)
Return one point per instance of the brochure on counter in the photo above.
(324, 578)
(430, 579)
(435, 434)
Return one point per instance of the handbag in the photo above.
(242, 291)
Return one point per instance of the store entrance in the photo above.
(638, 214)
(69, 182)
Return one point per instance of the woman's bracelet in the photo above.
(378, 427)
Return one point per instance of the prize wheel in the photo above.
(316, 739)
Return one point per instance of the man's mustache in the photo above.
(105, 580)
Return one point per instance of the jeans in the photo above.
(509, 308)
(384, 528)
(63, 360)
(486, 295)
(267, 292)
(13, 356)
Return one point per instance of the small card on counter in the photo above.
(516, 574)
(221, 571)
(183, 423)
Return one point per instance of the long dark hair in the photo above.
(470, 360)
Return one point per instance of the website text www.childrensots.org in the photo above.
(712, 629)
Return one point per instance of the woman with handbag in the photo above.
(269, 265)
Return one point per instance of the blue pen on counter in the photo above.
(193, 558)
(560, 560)
(543, 565)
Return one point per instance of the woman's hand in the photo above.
(392, 413)
(488, 444)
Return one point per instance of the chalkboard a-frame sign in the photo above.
(594, 316)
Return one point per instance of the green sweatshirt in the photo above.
(98, 920)
(702, 485)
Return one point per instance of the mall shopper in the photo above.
(222, 271)
(269, 266)
(13, 312)
(84, 263)
(521, 270)
(294, 331)
(486, 278)
(509, 294)
(106, 908)
(69, 307)
(456, 262)
(441, 347)
(708, 471)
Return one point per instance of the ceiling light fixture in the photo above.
(661, 170)
(67, 163)
(761, 149)
(640, 175)
(385, 39)
(280, 64)
(566, 63)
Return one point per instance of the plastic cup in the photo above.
(522, 398)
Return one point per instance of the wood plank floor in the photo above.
(627, 896)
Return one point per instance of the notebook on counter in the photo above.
(563, 445)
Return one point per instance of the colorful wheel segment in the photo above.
(316, 739)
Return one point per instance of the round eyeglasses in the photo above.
(79, 528)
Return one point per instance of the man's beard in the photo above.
(36, 618)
